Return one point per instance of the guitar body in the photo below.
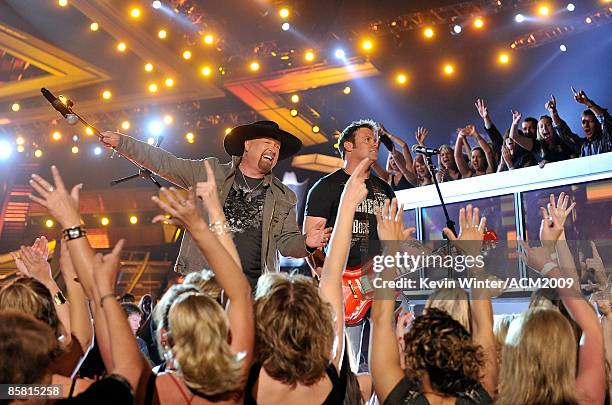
(356, 304)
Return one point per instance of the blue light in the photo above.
(285, 26)
(562, 48)
(155, 128)
(156, 4)
(457, 29)
(6, 149)
(340, 54)
(519, 18)
(97, 150)
(571, 7)
(151, 141)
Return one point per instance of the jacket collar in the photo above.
(269, 178)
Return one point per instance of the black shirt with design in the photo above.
(243, 210)
(324, 200)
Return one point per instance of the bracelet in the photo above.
(59, 298)
(219, 228)
(548, 267)
(109, 295)
(74, 232)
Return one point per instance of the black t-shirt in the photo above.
(554, 153)
(408, 393)
(243, 209)
(402, 185)
(113, 389)
(324, 199)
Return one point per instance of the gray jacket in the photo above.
(280, 232)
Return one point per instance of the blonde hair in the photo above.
(205, 281)
(532, 371)
(294, 329)
(203, 356)
(453, 301)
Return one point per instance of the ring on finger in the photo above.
(51, 189)
(183, 203)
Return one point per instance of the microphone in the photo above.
(425, 150)
(56, 103)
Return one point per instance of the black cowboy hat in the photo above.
(234, 140)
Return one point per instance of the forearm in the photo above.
(556, 119)
(596, 109)
(80, 318)
(488, 151)
(63, 310)
(339, 245)
(225, 239)
(461, 165)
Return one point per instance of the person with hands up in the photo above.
(399, 171)
(482, 159)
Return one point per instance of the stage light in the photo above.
(135, 12)
(133, 220)
(448, 69)
(56, 136)
(543, 10)
(309, 56)
(125, 125)
(104, 221)
(89, 131)
(38, 153)
(15, 107)
(121, 46)
(75, 149)
(156, 4)
(152, 88)
(162, 34)
(49, 223)
(519, 18)
(347, 90)
(457, 29)
(254, 66)
(6, 149)
(155, 128)
(94, 26)
(283, 12)
(19, 140)
(186, 55)
(206, 71)
(562, 48)
(588, 20)
(367, 45)
(75, 138)
(106, 94)
(20, 148)
(401, 78)
(209, 39)
(295, 98)
(148, 67)
(316, 129)
(190, 137)
(168, 119)
(478, 23)
(169, 82)
(97, 151)
(151, 140)
(285, 26)
(293, 112)
(62, 3)
(503, 58)
(339, 53)
(227, 131)
(571, 7)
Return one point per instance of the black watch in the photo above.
(74, 233)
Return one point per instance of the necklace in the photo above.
(249, 190)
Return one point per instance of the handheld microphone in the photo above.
(425, 150)
(56, 102)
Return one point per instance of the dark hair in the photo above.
(130, 309)
(532, 120)
(348, 134)
(597, 128)
(127, 297)
(486, 163)
(146, 304)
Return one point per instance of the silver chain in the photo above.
(246, 184)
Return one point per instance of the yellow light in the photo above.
(133, 220)
(169, 82)
(148, 67)
(105, 221)
(428, 32)
(293, 112)
(186, 55)
(347, 90)
(62, 3)
(94, 26)
(20, 140)
(20, 148)
(227, 131)
(106, 94)
(135, 12)
(478, 23)
(162, 34)
(88, 130)
(309, 56)
(367, 44)
(168, 119)
(401, 78)
(295, 98)
(38, 153)
(75, 149)
(15, 107)
(152, 88)
(316, 129)
(448, 69)
(205, 70)
(209, 39)
(504, 58)
(254, 66)
(543, 10)
(56, 136)
(283, 13)
(49, 223)
(190, 137)
(121, 46)
(125, 125)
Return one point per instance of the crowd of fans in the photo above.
(525, 143)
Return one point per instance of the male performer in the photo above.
(259, 208)
(358, 141)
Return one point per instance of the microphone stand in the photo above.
(450, 224)
(142, 171)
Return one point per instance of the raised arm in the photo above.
(404, 147)
(408, 173)
(461, 163)
(523, 141)
(488, 151)
(483, 111)
(380, 171)
(581, 97)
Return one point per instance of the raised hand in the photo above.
(507, 156)
(62, 205)
(318, 237)
(551, 105)
(106, 268)
(41, 245)
(31, 263)
(470, 130)
(535, 257)
(208, 193)
(390, 224)
(471, 230)
(355, 190)
(404, 320)
(182, 210)
(596, 263)
(421, 134)
(581, 97)
(553, 219)
(559, 211)
(110, 139)
(482, 108)
(516, 117)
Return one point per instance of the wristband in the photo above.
(219, 228)
(105, 297)
(548, 267)
(74, 232)
(59, 298)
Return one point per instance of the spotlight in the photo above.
(571, 7)
(316, 129)
(283, 13)
(209, 39)
(190, 137)
(20, 148)
(62, 3)
(75, 149)
(156, 4)
(38, 153)
(340, 54)
(133, 220)
(295, 98)
(94, 26)
(106, 94)
(428, 32)
(503, 58)
(162, 34)
(97, 151)
(6, 149)
(448, 69)
(135, 12)
(309, 56)
(75, 138)
(15, 107)
(49, 223)
(227, 131)
(562, 48)
(293, 112)
(104, 221)
(254, 66)
(401, 78)
(148, 67)
(186, 55)
(155, 128)
(152, 88)
(543, 10)
(367, 45)
(206, 71)
(588, 20)
(19, 140)
(169, 82)
(121, 46)
(347, 90)
(478, 23)
(168, 119)
(519, 18)
(88, 131)
(125, 125)
(56, 136)
(151, 140)
(457, 29)
(285, 26)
